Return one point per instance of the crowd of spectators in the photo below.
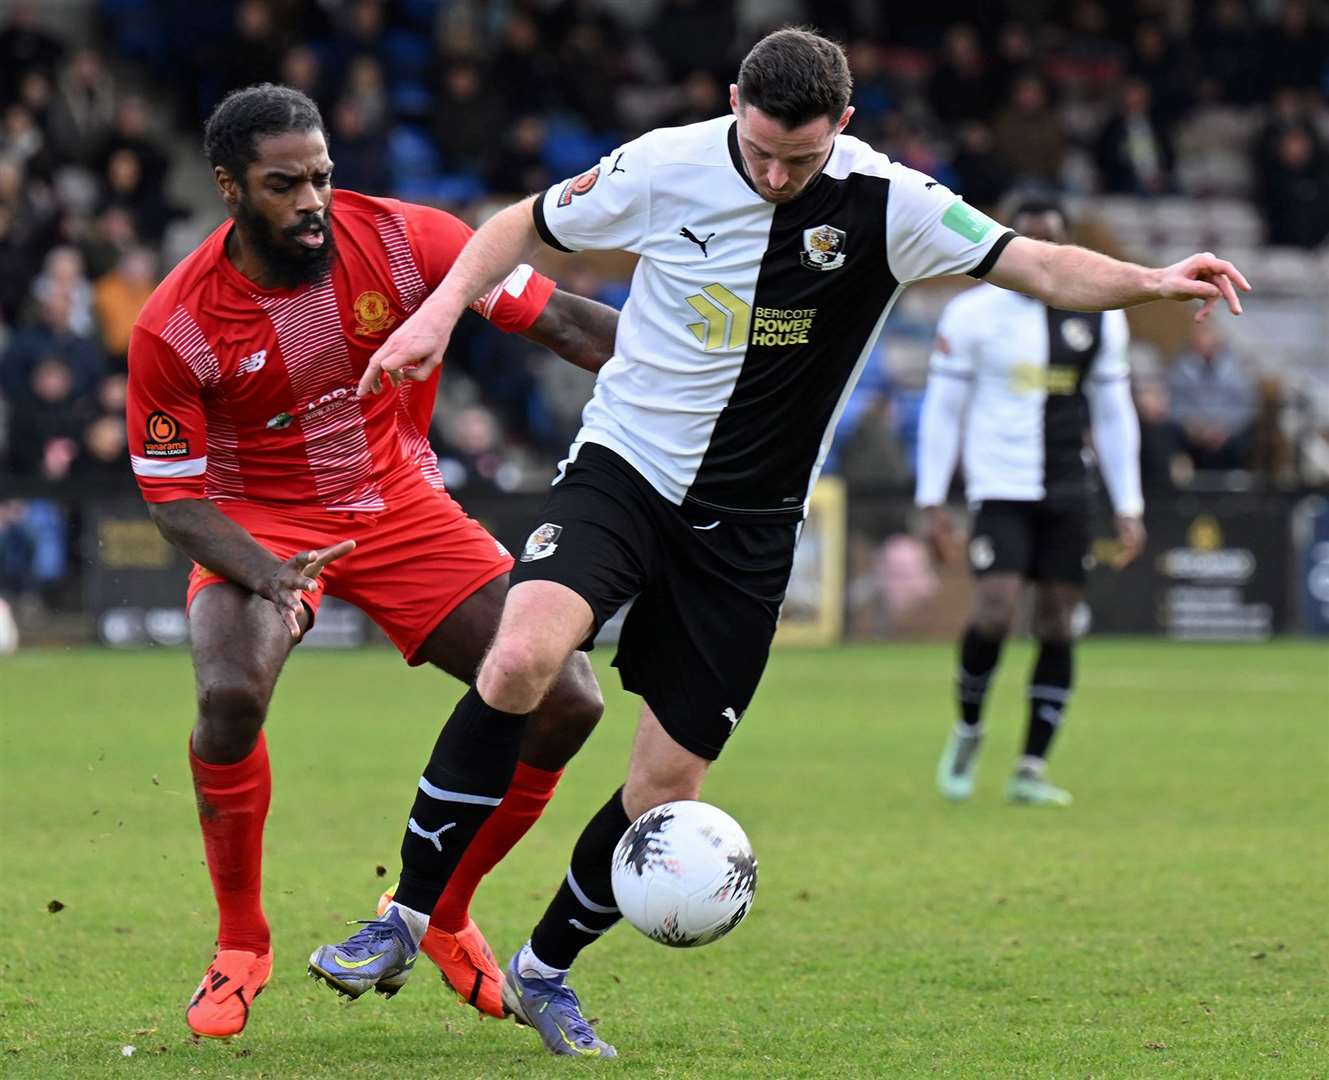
(458, 101)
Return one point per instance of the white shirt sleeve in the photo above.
(1116, 428)
(945, 403)
(606, 208)
(931, 231)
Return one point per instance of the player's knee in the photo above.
(518, 667)
(994, 620)
(1053, 629)
(578, 699)
(231, 710)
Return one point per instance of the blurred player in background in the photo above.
(261, 464)
(771, 249)
(1016, 382)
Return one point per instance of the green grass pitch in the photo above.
(1171, 924)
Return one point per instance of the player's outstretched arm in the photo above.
(213, 540)
(416, 347)
(581, 331)
(1076, 279)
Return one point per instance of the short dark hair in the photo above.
(245, 116)
(796, 75)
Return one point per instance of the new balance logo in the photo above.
(687, 234)
(252, 363)
(726, 318)
(432, 837)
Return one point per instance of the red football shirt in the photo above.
(238, 392)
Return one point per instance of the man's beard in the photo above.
(286, 264)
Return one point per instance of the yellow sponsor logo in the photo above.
(1056, 380)
(782, 326)
(725, 318)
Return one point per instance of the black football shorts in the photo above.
(1040, 541)
(706, 593)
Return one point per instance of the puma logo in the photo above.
(616, 167)
(930, 185)
(432, 837)
(731, 716)
(687, 234)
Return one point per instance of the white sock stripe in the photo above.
(586, 901)
(579, 925)
(456, 796)
(1059, 694)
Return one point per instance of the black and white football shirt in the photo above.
(1028, 377)
(748, 322)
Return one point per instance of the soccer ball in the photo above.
(684, 874)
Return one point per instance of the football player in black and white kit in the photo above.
(771, 249)
(1016, 382)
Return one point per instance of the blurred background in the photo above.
(1169, 127)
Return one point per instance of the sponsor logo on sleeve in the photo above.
(162, 437)
(823, 248)
(579, 186)
(963, 219)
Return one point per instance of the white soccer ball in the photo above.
(684, 874)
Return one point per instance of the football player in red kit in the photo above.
(260, 463)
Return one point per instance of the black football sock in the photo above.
(583, 908)
(468, 772)
(978, 659)
(1049, 693)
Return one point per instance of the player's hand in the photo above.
(1130, 541)
(295, 577)
(1204, 277)
(943, 536)
(413, 351)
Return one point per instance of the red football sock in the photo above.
(232, 806)
(525, 800)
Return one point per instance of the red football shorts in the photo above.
(413, 562)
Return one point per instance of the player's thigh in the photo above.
(597, 539)
(239, 644)
(543, 623)
(696, 641)
(660, 770)
(458, 643)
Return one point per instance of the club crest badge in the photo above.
(1077, 334)
(542, 543)
(981, 553)
(823, 248)
(373, 314)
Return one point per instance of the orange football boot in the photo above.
(220, 1005)
(465, 961)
